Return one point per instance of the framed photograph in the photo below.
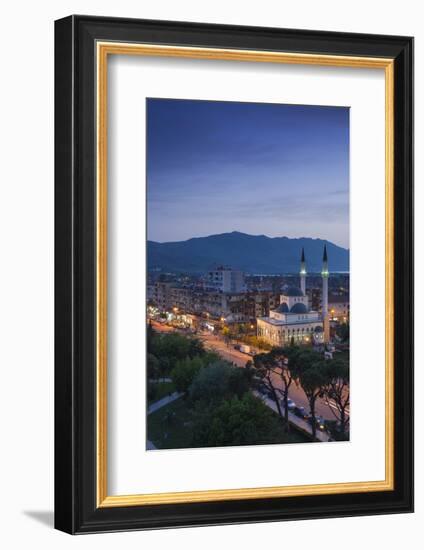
(234, 274)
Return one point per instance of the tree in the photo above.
(342, 332)
(166, 364)
(281, 358)
(151, 334)
(241, 328)
(184, 372)
(238, 421)
(337, 390)
(266, 372)
(195, 347)
(255, 341)
(171, 348)
(153, 367)
(219, 381)
(226, 334)
(210, 357)
(309, 370)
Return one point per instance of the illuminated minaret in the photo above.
(303, 273)
(324, 275)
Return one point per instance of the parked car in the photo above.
(264, 390)
(290, 404)
(300, 412)
(320, 423)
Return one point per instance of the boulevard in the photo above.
(226, 350)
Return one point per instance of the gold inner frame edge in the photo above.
(103, 49)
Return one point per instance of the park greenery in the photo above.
(219, 404)
(236, 421)
(217, 407)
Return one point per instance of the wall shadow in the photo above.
(46, 517)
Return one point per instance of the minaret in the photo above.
(303, 273)
(324, 275)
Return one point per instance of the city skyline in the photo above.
(205, 159)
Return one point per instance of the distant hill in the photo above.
(249, 253)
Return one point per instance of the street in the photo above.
(214, 343)
(227, 352)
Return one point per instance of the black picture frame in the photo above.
(75, 275)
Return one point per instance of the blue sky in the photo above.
(277, 170)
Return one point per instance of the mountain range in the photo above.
(254, 254)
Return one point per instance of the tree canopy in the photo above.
(168, 349)
(238, 421)
(337, 391)
(185, 371)
(342, 332)
(218, 381)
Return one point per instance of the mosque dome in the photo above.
(283, 308)
(292, 291)
(299, 308)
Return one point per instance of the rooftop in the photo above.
(290, 321)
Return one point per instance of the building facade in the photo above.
(225, 279)
(160, 294)
(293, 320)
(339, 308)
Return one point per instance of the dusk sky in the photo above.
(276, 170)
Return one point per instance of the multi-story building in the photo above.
(225, 279)
(338, 307)
(259, 304)
(233, 306)
(314, 295)
(160, 295)
(150, 293)
(219, 305)
(181, 298)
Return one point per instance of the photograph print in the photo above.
(247, 274)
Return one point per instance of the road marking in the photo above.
(333, 405)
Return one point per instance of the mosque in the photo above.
(293, 321)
